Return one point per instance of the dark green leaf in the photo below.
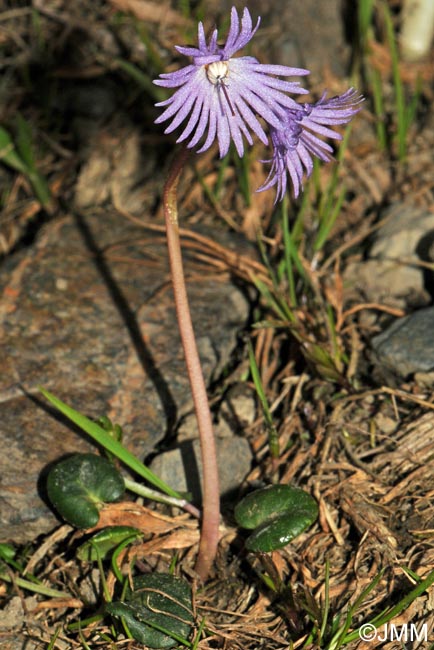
(21, 159)
(278, 513)
(261, 504)
(79, 485)
(280, 530)
(159, 602)
(8, 153)
(24, 142)
(7, 552)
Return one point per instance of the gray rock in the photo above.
(239, 407)
(179, 467)
(188, 429)
(14, 613)
(391, 275)
(100, 332)
(308, 34)
(236, 413)
(115, 167)
(424, 379)
(407, 346)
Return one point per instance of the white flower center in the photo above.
(217, 72)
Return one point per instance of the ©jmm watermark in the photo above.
(392, 632)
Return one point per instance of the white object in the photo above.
(417, 29)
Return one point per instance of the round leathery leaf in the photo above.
(278, 531)
(79, 485)
(277, 513)
(257, 506)
(158, 602)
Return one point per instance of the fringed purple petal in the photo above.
(177, 78)
(194, 117)
(238, 38)
(212, 129)
(236, 136)
(233, 30)
(317, 147)
(201, 38)
(188, 51)
(325, 131)
(181, 114)
(305, 158)
(280, 70)
(250, 118)
(206, 117)
(223, 134)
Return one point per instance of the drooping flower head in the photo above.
(223, 96)
(295, 141)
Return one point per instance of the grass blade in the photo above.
(401, 112)
(273, 439)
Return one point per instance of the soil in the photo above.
(357, 439)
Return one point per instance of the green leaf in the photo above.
(8, 154)
(281, 529)
(79, 485)
(21, 158)
(322, 360)
(105, 541)
(41, 188)
(36, 588)
(277, 513)
(273, 438)
(7, 552)
(157, 612)
(24, 142)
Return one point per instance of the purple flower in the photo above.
(295, 140)
(222, 96)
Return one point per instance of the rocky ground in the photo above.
(87, 312)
